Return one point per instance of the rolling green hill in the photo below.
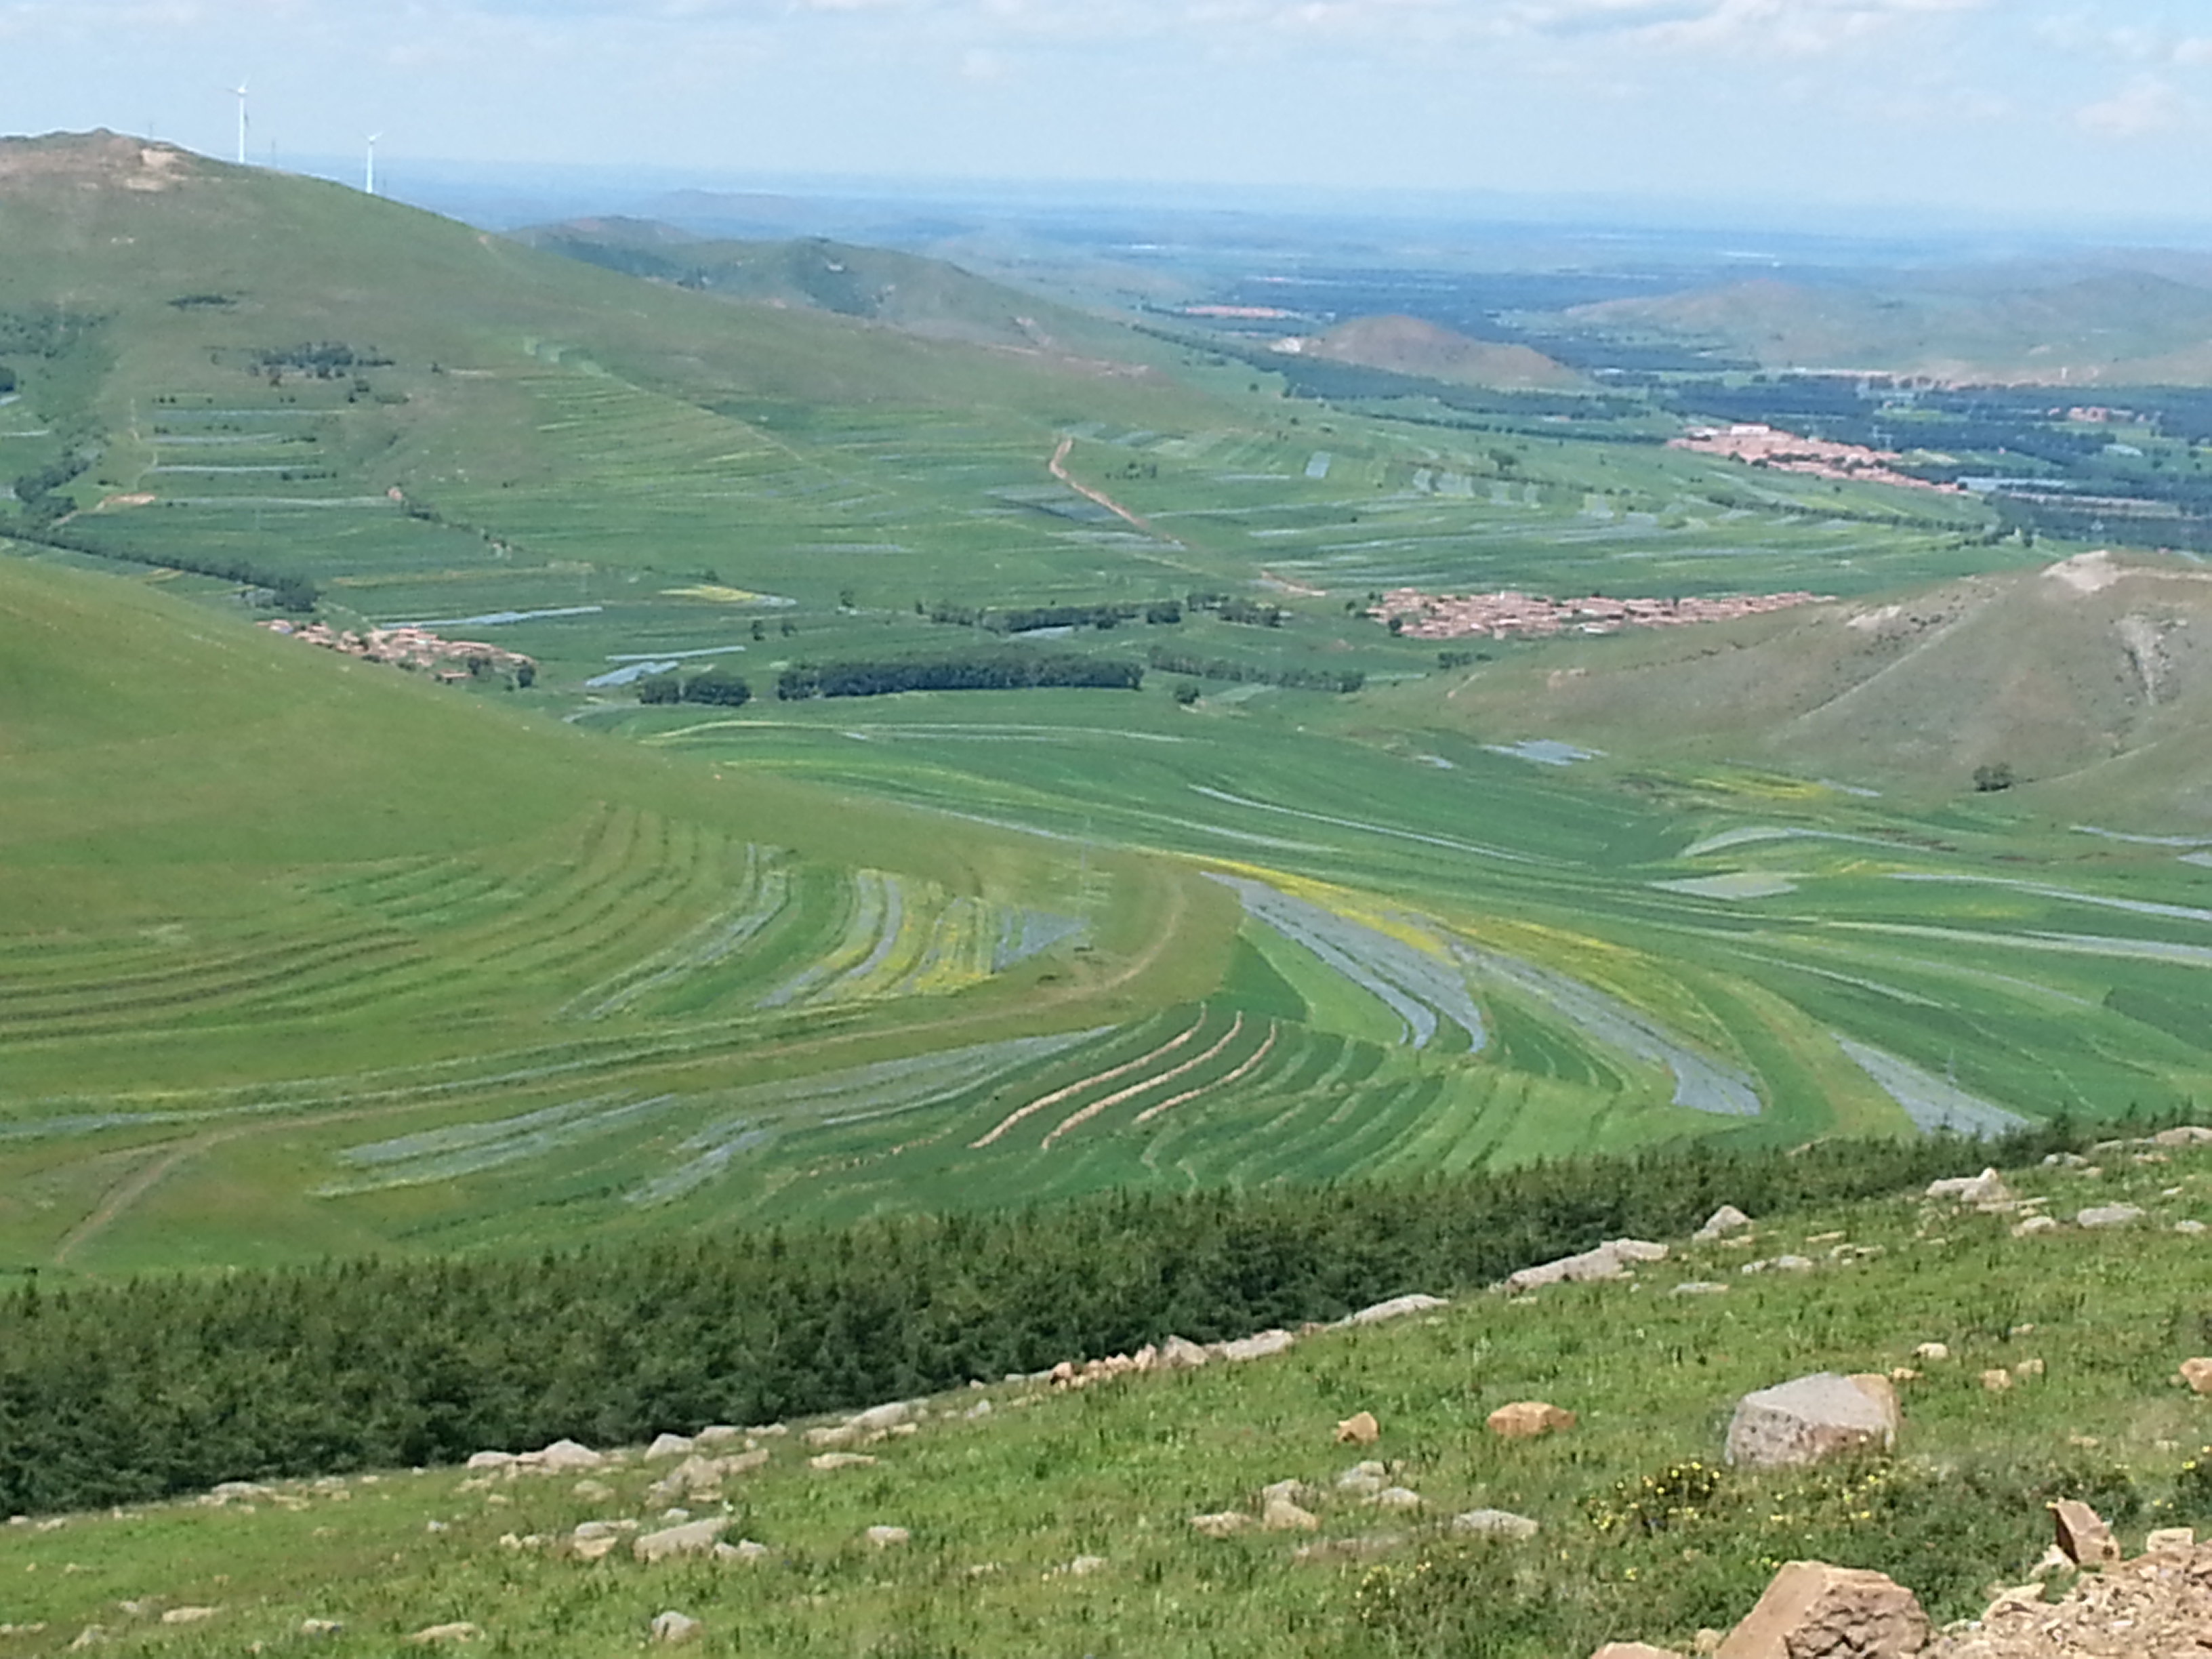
(2118, 327)
(1406, 346)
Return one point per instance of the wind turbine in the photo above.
(373, 137)
(238, 92)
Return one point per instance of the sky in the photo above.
(2041, 110)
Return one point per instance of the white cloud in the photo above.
(2144, 106)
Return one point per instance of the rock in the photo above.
(2082, 1534)
(1524, 1419)
(432, 1634)
(1360, 1429)
(1996, 1380)
(1987, 1187)
(1363, 1480)
(885, 1537)
(829, 1461)
(1263, 1345)
(2197, 1373)
(673, 1626)
(1931, 1353)
(2024, 1369)
(743, 1550)
(1081, 1567)
(491, 1460)
(717, 1436)
(1224, 1524)
(1396, 1497)
(2107, 1215)
(569, 1457)
(842, 1434)
(1494, 1523)
(593, 1549)
(2034, 1224)
(592, 1491)
(1811, 1418)
(188, 1615)
(1365, 1548)
(1698, 1287)
(2186, 1134)
(1610, 1260)
(1812, 1609)
(982, 1408)
(2164, 1541)
(1397, 1308)
(2192, 1228)
(668, 1445)
(1724, 1221)
(691, 1538)
(1177, 1355)
(321, 1626)
(878, 1419)
(1280, 1514)
(1634, 1651)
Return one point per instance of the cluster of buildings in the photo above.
(1510, 615)
(1757, 445)
(450, 660)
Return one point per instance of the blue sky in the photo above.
(2043, 108)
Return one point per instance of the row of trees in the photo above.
(121, 1393)
(281, 590)
(1027, 619)
(1003, 671)
(716, 686)
(1221, 668)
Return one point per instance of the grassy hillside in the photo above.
(2123, 327)
(1406, 346)
(1042, 1520)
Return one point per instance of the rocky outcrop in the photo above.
(1815, 1611)
(1611, 1260)
(1811, 1418)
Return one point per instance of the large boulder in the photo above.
(1815, 1611)
(1397, 1308)
(1722, 1222)
(1813, 1417)
(1611, 1259)
(2197, 1373)
(2082, 1534)
(2108, 1215)
(1265, 1345)
(1987, 1187)
(1524, 1419)
(692, 1538)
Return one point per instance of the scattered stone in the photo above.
(188, 1615)
(1812, 1609)
(842, 1434)
(1396, 1497)
(1724, 1221)
(1397, 1308)
(491, 1460)
(673, 1626)
(1780, 1264)
(716, 1436)
(1495, 1523)
(2082, 1534)
(431, 1635)
(1365, 1548)
(744, 1549)
(668, 1445)
(1996, 1380)
(1360, 1429)
(2185, 1135)
(2034, 1224)
(1903, 1374)
(1634, 1651)
(1700, 1287)
(691, 1538)
(1081, 1567)
(2197, 1373)
(885, 1537)
(877, 1418)
(1811, 1418)
(1611, 1259)
(1524, 1419)
(1177, 1354)
(1931, 1353)
(2193, 1228)
(2024, 1369)
(1280, 1514)
(90, 1636)
(592, 1491)
(838, 1460)
(1987, 1187)
(1265, 1345)
(1224, 1524)
(321, 1626)
(1364, 1480)
(980, 1409)
(2168, 1541)
(2108, 1215)
(569, 1457)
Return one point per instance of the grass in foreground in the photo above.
(1643, 1534)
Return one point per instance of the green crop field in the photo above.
(301, 954)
